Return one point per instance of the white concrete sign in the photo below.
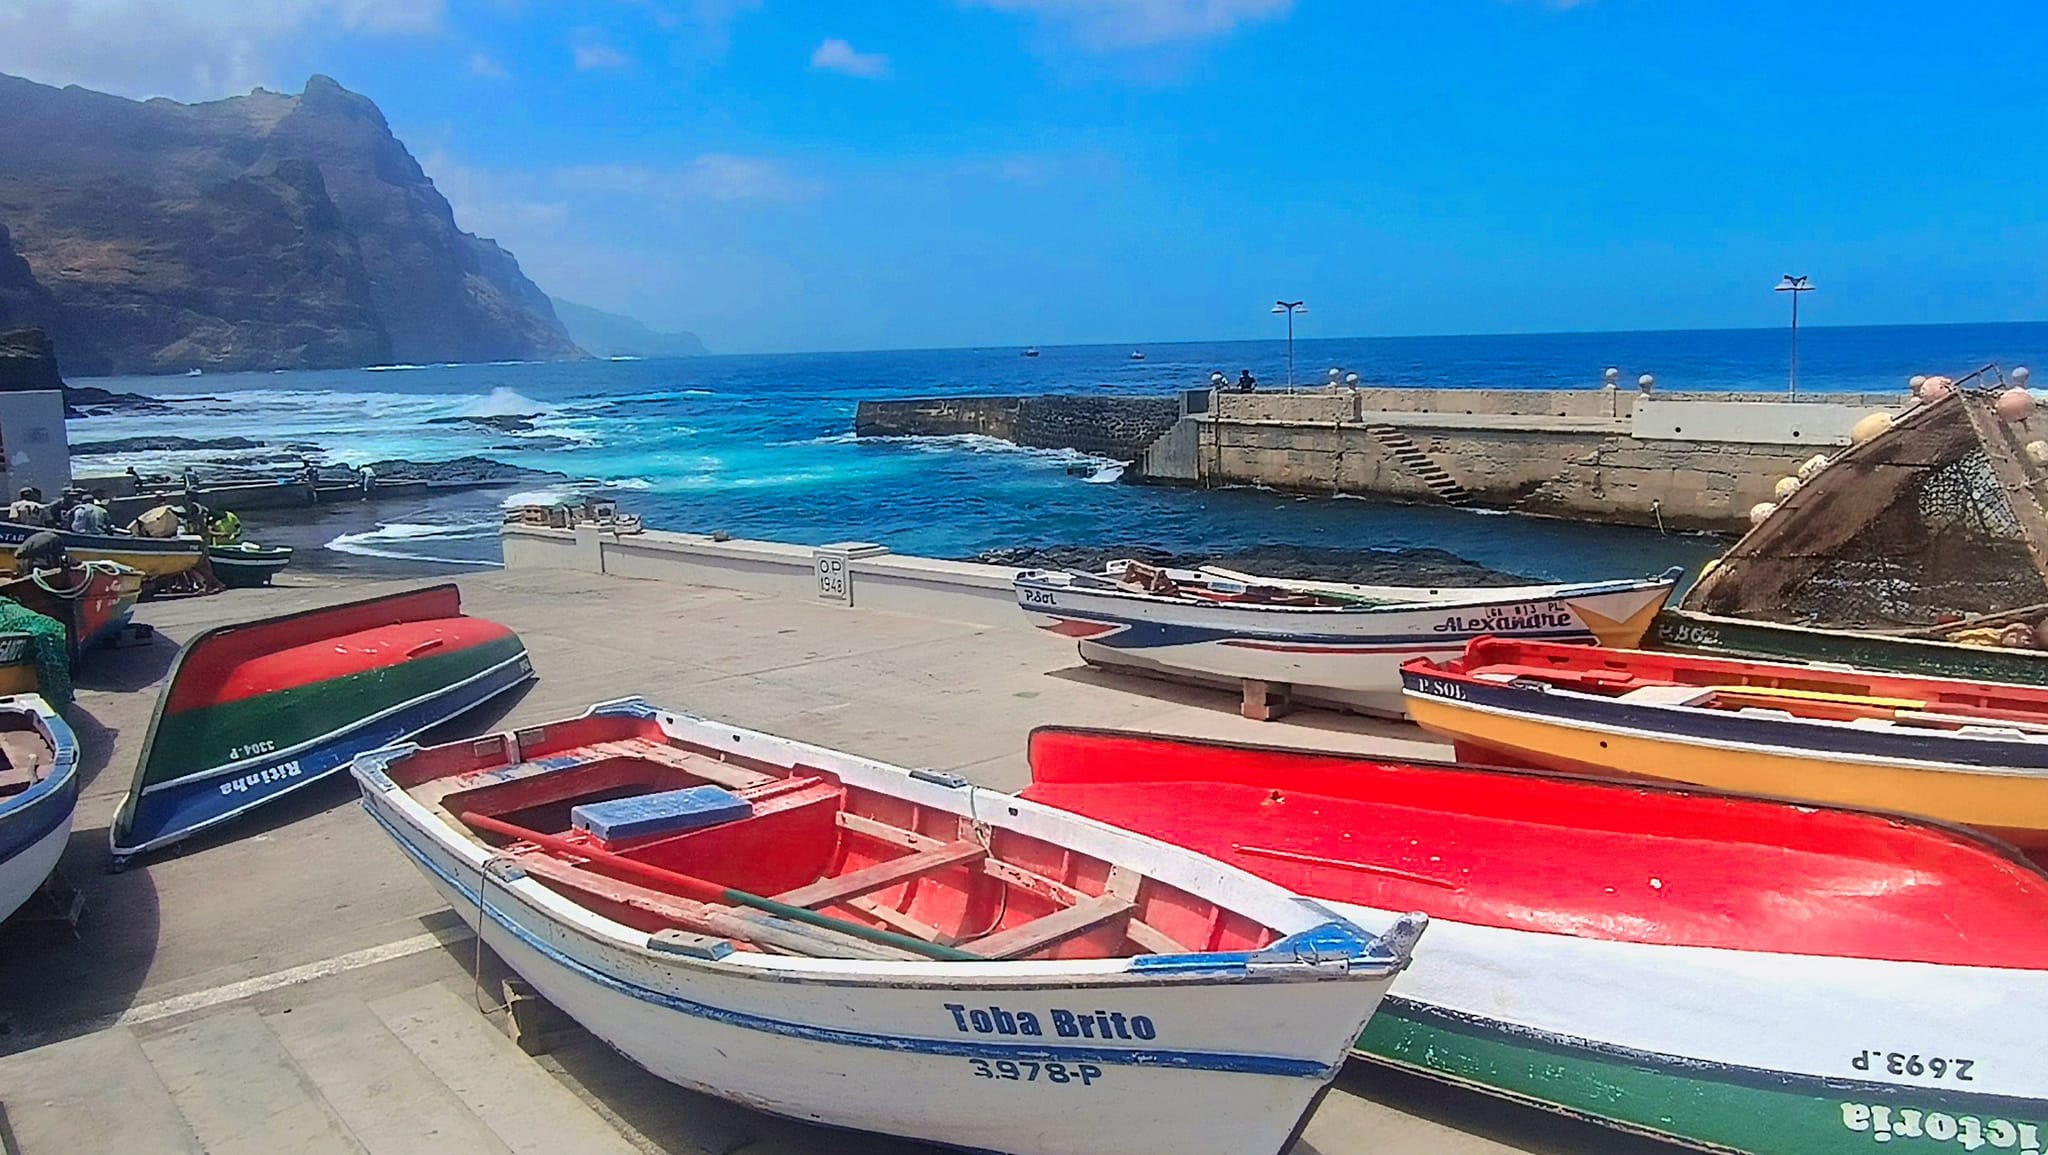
(835, 580)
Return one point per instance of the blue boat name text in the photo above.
(1065, 1024)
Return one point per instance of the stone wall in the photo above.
(938, 417)
(1113, 427)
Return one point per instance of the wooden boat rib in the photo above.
(255, 711)
(1971, 753)
(834, 939)
(1728, 972)
(38, 795)
(156, 557)
(1346, 641)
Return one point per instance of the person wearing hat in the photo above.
(28, 509)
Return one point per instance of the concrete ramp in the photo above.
(415, 1072)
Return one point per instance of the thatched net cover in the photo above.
(1940, 515)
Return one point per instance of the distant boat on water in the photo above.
(1031, 352)
(1137, 355)
(195, 372)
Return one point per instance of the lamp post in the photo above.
(1795, 286)
(1290, 308)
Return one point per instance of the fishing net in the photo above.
(46, 645)
(1939, 517)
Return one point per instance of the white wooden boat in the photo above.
(1343, 643)
(938, 962)
(38, 794)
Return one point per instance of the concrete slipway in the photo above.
(293, 986)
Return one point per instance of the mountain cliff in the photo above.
(260, 232)
(612, 335)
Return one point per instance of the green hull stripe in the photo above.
(1970, 663)
(1674, 1103)
(198, 740)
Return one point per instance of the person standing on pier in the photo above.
(1246, 382)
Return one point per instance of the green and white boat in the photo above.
(1725, 972)
(1780, 641)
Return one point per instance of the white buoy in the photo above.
(1786, 487)
(1872, 425)
(1761, 510)
(1812, 465)
(2037, 452)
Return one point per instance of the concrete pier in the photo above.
(292, 984)
(1620, 456)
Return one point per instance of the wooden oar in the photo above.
(1782, 693)
(1332, 590)
(703, 890)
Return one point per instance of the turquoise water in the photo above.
(761, 446)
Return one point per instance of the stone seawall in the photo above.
(1119, 428)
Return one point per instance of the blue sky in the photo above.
(778, 175)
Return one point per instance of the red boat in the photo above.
(1727, 971)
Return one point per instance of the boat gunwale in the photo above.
(1688, 617)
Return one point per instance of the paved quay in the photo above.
(293, 984)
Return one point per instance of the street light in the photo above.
(1290, 308)
(1795, 286)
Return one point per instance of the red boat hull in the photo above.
(1566, 855)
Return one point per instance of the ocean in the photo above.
(762, 446)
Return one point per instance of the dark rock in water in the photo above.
(160, 445)
(461, 469)
(1408, 567)
(533, 443)
(502, 423)
(262, 231)
(92, 401)
(27, 360)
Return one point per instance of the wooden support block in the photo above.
(1265, 701)
(56, 904)
(535, 1024)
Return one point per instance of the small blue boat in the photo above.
(38, 794)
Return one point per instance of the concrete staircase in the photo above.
(1404, 450)
(416, 1072)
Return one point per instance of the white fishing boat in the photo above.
(1343, 643)
(910, 954)
(38, 794)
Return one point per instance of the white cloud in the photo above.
(712, 177)
(491, 203)
(1145, 23)
(592, 52)
(837, 55)
(185, 48)
(483, 64)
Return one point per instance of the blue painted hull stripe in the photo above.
(1720, 726)
(1139, 635)
(174, 810)
(1268, 1065)
(29, 822)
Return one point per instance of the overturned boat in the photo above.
(254, 711)
(244, 564)
(833, 939)
(1727, 972)
(1347, 642)
(38, 793)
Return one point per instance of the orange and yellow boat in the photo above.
(1972, 753)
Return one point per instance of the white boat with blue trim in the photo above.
(834, 939)
(38, 794)
(1338, 642)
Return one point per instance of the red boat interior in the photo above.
(1736, 684)
(841, 858)
(1562, 855)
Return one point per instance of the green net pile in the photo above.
(47, 647)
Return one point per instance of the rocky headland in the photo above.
(259, 232)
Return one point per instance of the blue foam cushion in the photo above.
(669, 812)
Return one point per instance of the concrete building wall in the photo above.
(33, 440)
